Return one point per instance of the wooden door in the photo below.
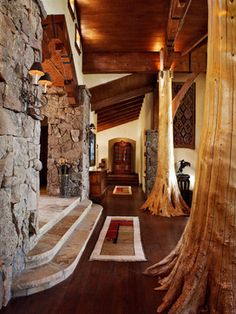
(121, 158)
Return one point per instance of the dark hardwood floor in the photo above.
(110, 287)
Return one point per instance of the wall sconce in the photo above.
(89, 128)
(31, 95)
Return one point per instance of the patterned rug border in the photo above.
(122, 186)
(138, 249)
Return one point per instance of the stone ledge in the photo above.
(51, 242)
(63, 264)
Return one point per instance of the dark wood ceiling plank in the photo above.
(121, 118)
(122, 104)
(114, 111)
(125, 113)
(125, 88)
(128, 95)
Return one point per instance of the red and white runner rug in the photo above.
(119, 240)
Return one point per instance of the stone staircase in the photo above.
(58, 249)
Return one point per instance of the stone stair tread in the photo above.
(63, 263)
(51, 237)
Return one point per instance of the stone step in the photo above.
(64, 262)
(43, 229)
(50, 242)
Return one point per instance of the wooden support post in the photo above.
(200, 272)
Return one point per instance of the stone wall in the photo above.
(151, 159)
(20, 46)
(68, 139)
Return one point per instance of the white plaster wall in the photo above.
(91, 80)
(191, 154)
(56, 7)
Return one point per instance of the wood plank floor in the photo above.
(110, 287)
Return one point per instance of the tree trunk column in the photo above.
(165, 198)
(200, 271)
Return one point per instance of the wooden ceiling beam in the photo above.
(121, 118)
(122, 104)
(125, 88)
(177, 14)
(115, 111)
(120, 62)
(128, 95)
(125, 113)
(200, 41)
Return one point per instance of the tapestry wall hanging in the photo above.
(184, 121)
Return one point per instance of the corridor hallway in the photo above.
(98, 287)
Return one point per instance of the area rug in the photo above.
(119, 240)
(122, 190)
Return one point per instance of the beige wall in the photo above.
(91, 80)
(191, 154)
(127, 130)
(60, 7)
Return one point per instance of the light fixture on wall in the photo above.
(32, 95)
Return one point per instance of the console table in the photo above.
(98, 184)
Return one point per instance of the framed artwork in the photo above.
(184, 121)
(71, 6)
(77, 39)
(92, 148)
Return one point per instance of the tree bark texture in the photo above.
(200, 273)
(165, 198)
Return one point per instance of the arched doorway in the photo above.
(122, 152)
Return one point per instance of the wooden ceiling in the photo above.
(120, 101)
(127, 35)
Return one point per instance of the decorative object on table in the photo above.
(184, 181)
(103, 163)
(63, 167)
(122, 190)
(182, 165)
(119, 240)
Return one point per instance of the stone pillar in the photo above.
(20, 46)
(68, 139)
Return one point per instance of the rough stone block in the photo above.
(12, 99)
(20, 174)
(9, 123)
(75, 135)
(15, 194)
(32, 203)
(20, 150)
